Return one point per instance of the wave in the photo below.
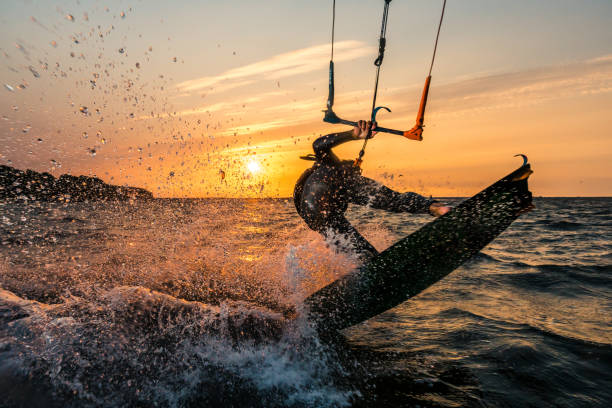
(134, 346)
(562, 225)
(550, 274)
(481, 257)
(461, 335)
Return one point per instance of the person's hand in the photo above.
(438, 209)
(364, 129)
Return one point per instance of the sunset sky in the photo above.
(220, 98)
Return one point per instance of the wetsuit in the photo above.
(323, 192)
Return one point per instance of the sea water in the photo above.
(198, 303)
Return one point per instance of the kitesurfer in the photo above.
(323, 192)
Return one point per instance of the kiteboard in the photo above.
(423, 258)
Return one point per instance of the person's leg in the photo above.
(340, 232)
(371, 193)
(347, 239)
(320, 215)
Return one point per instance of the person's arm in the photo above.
(323, 145)
(416, 203)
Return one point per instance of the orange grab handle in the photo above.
(416, 133)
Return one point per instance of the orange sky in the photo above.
(182, 105)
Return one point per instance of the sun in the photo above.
(253, 166)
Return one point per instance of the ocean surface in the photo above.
(183, 303)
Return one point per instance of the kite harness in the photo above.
(416, 133)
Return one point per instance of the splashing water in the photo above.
(198, 317)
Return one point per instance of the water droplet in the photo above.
(138, 65)
(85, 135)
(22, 86)
(92, 152)
(70, 17)
(121, 50)
(103, 141)
(171, 174)
(39, 140)
(26, 129)
(33, 71)
(10, 88)
(131, 115)
(84, 110)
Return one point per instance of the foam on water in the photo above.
(134, 345)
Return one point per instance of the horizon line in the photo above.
(291, 198)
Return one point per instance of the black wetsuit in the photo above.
(323, 192)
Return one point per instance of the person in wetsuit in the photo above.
(323, 192)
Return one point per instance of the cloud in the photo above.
(264, 147)
(603, 58)
(279, 66)
(510, 89)
(261, 126)
(302, 112)
(526, 88)
(219, 107)
(343, 101)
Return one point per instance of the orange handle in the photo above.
(416, 133)
(421, 115)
